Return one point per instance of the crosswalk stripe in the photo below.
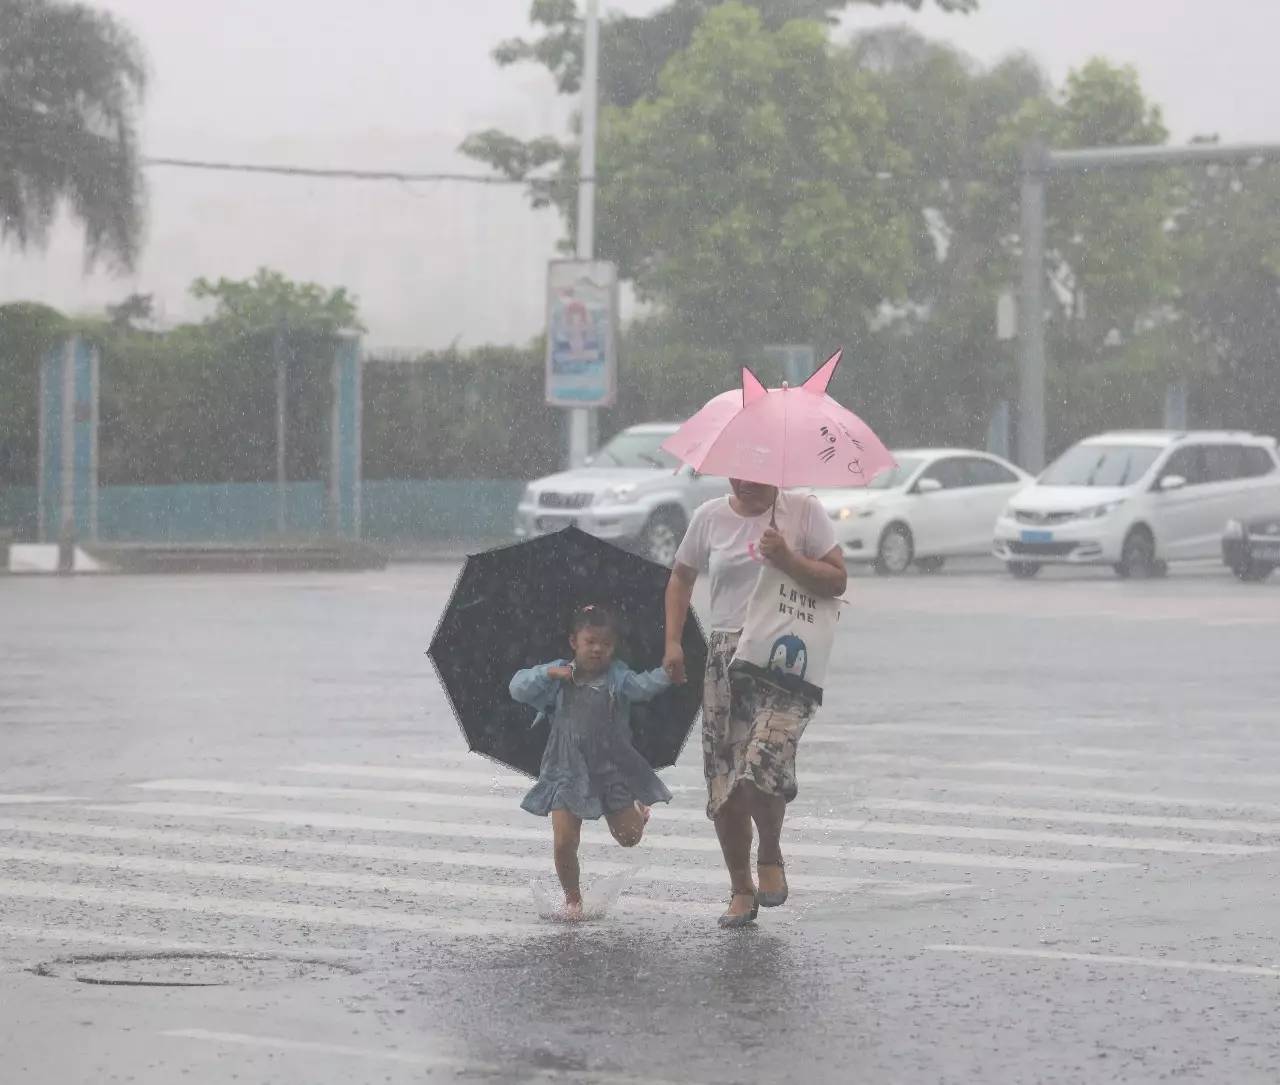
(462, 1068)
(827, 825)
(1111, 773)
(36, 799)
(1083, 817)
(67, 936)
(833, 733)
(121, 897)
(493, 781)
(435, 888)
(1112, 959)
(1026, 836)
(1148, 821)
(479, 860)
(1091, 794)
(318, 819)
(1246, 753)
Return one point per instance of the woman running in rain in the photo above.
(750, 729)
(590, 768)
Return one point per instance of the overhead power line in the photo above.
(400, 176)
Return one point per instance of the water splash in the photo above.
(598, 897)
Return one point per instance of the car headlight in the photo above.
(1097, 512)
(1233, 530)
(848, 513)
(622, 494)
(530, 496)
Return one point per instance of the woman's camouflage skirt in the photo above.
(750, 729)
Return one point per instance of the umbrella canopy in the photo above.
(511, 609)
(782, 436)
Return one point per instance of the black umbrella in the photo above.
(511, 609)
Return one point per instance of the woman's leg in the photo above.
(567, 830)
(768, 812)
(733, 827)
(627, 825)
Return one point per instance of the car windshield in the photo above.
(1101, 465)
(895, 476)
(632, 449)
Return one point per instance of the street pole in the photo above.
(277, 350)
(1031, 352)
(1038, 164)
(581, 419)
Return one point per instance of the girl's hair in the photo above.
(593, 616)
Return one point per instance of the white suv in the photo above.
(1137, 501)
(631, 492)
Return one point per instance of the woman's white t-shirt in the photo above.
(726, 545)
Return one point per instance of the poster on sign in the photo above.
(582, 364)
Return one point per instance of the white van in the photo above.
(1138, 500)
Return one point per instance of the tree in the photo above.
(133, 310)
(27, 332)
(198, 403)
(633, 52)
(71, 80)
(270, 300)
(939, 368)
(746, 199)
(934, 371)
(1228, 246)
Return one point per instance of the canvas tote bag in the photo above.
(787, 637)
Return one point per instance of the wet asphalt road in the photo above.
(1035, 842)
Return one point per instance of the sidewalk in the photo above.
(444, 549)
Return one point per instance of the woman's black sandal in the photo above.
(774, 900)
(729, 921)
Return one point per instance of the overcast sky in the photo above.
(398, 83)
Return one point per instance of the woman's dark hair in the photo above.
(594, 616)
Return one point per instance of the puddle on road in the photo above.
(188, 969)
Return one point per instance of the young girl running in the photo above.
(590, 768)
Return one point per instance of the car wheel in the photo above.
(1138, 556)
(1253, 572)
(896, 551)
(931, 565)
(1023, 570)
(662, 535)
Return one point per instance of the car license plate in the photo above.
(1037, 536)
(555, 523)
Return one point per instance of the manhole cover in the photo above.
(188, 969)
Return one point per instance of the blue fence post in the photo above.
(345, 446)
(67, 484)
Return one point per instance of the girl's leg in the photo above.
(567, 830)
(627, 825)
(733, 827)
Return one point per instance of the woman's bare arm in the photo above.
(679, 595)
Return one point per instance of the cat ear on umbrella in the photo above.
(821, 377)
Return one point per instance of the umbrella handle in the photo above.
(773, 511)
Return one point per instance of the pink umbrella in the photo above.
(782, 436)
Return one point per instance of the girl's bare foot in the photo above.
(572, 910)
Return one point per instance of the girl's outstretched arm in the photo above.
(534, 685)
(646, 686)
